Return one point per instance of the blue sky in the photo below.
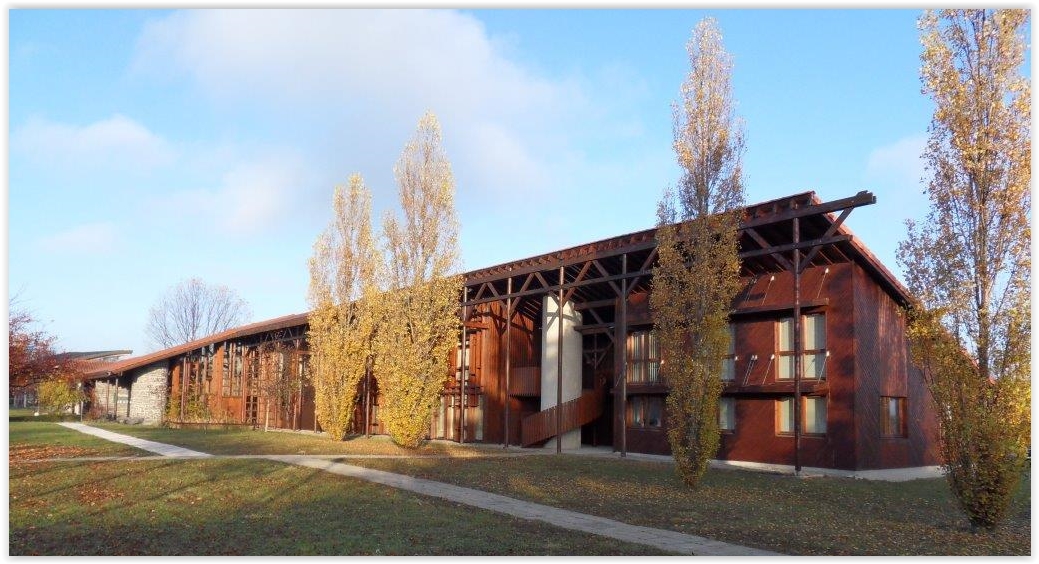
(146, 147)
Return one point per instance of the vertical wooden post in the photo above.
(559, 363)
(622, 346)
(183, 388)
(464, 362)
(798, 345)
(508, 354)
(367, 399)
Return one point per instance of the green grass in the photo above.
(248, 441)
(833, 516)
(33, 439)
(255, 507)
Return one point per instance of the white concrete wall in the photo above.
(571, 361)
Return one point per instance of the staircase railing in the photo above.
(574, 413)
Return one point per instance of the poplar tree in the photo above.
(344, 299)
(697, 272)
(421, 323)
(968, 265)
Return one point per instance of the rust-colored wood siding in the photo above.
(526, 359)
(764, 302)
(884, 369)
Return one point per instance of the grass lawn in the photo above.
(255, 507)
(835, 516)
(32, 439)
(248, 441)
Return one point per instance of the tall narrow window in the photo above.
(236, 372)
(813, 331)
(893, 417)
(815, 346)
(814, 415)
(729, 362)
(643, 357)
(727, 414)
(785, 415)
(785, 349)
(225, 373)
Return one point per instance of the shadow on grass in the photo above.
(256, 507)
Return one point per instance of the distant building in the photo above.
(864, 407)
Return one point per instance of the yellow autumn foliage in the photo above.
(345, 302)
(420, 327)
(697, 272)
(969, 264)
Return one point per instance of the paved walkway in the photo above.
(150, 446)
(663, 539)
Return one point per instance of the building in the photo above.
(863, 406)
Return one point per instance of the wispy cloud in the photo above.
(117, 143)
(899, 162)
(87, 239)
(253, 196)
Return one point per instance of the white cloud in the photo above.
(114, 144)
(251, 197)
(899, 162)
(357, 81)
(90, 238)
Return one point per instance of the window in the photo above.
(892, 417)
(814, 347)
(643, 358)
(645, 411)
(727, 414)
(813, 415)
(729, 362)
(231, 384)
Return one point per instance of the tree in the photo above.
(421, 324)
(969, 264)
(697, 272)
(58, 394)
(193, 309)
(30, 350)
(344, 298)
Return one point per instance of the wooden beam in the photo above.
(766, 245)
(592, 305)
(829, 233)
(795, 246)
(863, 198)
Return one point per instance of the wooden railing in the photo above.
(525, 381)
(574, 413)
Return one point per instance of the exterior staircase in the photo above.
(575, 413)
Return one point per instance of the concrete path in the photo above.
(662, 539)
(150, 446)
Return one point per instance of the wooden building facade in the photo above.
(818, 374)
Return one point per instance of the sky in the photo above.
(147, 147)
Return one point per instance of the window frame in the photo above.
(639, 370)
(781, 354)
(885, 421)
(732, 414)
(639, 405)
(804, 419)
(729, 360)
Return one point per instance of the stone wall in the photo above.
(148, 394)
